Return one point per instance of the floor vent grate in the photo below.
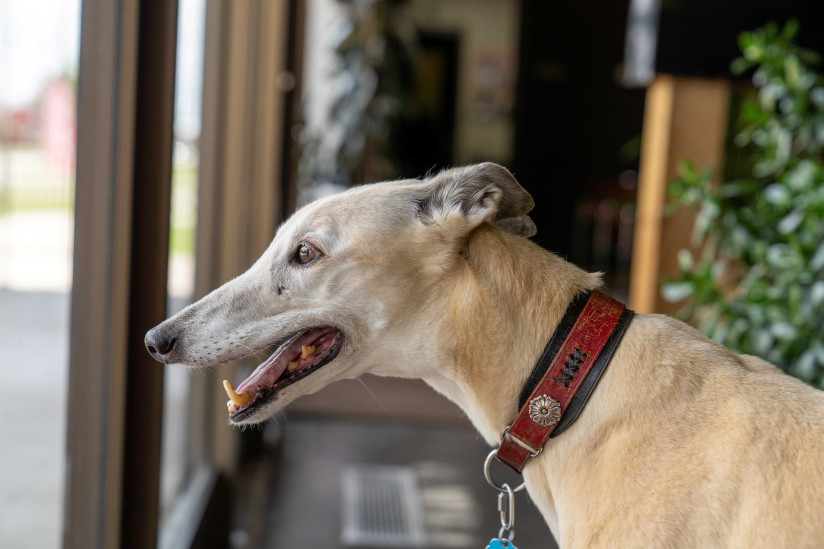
(382, 507)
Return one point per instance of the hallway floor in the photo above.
(460, 509)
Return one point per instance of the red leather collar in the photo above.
(579, 354)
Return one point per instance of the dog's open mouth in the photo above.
(294, 359)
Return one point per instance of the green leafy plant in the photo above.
(757, 283)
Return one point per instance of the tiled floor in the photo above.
(304, 501)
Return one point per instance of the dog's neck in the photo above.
(504, 306)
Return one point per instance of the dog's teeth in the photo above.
(293, 365)
(240, 399)
(232, 407)
(307, 350)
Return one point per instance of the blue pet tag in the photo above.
(498, 544)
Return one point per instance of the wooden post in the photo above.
(684, 118)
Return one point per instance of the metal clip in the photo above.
(506, 507)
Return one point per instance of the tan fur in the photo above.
(683, 443)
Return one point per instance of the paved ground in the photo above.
(36, 251)
(35, 277)
(35, 280)
(36, 241)
(34, 350)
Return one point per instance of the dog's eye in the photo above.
(306, 253)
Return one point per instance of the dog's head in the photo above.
(349, 285)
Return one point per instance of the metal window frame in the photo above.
(241, 188)
(125, 113)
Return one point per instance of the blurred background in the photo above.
(150, 148)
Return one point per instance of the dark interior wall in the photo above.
(426, 142)
(573, 120)
(576, 127)
(700, 37)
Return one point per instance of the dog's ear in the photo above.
(478, 193)
(521, 225)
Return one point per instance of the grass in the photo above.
(184, 208)
(31, 185)
(182, 240)
(21, 199)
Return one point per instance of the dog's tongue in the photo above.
(269, 370)
(273, 367)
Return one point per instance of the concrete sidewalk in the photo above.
(35, 283)
(35, 278)
(34, 350)
(36, 251)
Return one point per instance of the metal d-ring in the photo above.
(506, 539)
(488, 475)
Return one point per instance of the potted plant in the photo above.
(756, 281)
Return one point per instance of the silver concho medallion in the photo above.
(544, 410)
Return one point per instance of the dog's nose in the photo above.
(159, 343)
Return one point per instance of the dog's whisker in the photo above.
(371, 393)
(257, 353)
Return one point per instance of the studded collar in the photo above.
(565, 375)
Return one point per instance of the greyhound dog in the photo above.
(682, 444)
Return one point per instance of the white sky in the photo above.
(39, 40)
(191, 21)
